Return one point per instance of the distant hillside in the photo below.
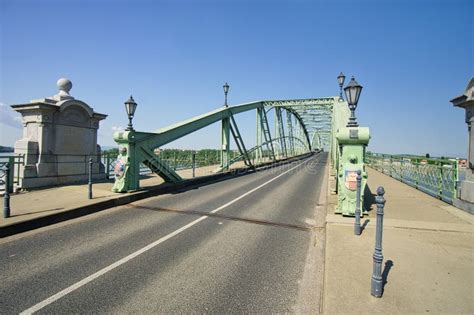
(5, 149)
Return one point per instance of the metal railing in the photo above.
(15, 161)
(437, 177)
(176, 164)
(181, 162)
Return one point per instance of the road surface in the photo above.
(253, 243)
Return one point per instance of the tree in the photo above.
(427, 155)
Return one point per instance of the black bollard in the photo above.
(357, 228)
(194, 164)
(6, 197)
(90, 178)
(377, 282)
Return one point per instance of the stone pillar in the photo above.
(59, 137)
(465, 198)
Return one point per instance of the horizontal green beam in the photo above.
(302, 102)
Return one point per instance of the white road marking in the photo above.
(122, 261)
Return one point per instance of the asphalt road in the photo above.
(249, 244)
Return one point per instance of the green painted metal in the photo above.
(317, 141)
(239, 142)
(225, 141)
(289, 127)
(254, 149)
(280, 133)
(437, 177)
(258, 151)
(352, 142)
(15, 163)
(265, 128)
(310, 116)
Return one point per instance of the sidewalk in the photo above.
(428, 249)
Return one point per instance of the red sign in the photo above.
(351, 180)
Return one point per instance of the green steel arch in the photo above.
(305, 120)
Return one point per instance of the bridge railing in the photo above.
(437, 177)
(176, 159)
(178, 162)
(14, 162)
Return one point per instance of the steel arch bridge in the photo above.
(300, 126)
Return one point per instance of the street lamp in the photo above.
(226, 90)
(341, 79)
(352, 91)
(130, 107)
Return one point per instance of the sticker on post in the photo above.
(119, 167)
(351, 180)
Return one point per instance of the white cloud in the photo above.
(9, 117)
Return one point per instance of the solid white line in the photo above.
(122, 261)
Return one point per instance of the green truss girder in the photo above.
(311, 116)
(240, 142)
(265, 129)
(254, 149)
(160, 167)
(289, 127)
(280, 131)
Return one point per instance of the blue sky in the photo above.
(412, 57)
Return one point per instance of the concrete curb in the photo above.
(73, 213)
(324, 279)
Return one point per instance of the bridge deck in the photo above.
(253, 256)
(235, 246)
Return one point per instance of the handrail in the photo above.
(437, 177)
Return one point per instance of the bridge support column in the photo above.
(127, 168)
(225, 142)
(289, 127)
(352, 143)
(280, 133)
(258, 152)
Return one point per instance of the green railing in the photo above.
(437, 177)
(176, 160)
(14, 161)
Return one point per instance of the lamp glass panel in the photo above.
(130, 107)
(348, 91)
(340, 79)
(358, 91)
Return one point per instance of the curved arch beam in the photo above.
(139, 146)
(298, 117)
(303, 126)
(314, 138)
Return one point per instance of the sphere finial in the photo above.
(64, 86)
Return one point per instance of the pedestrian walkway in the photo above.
(428, 249)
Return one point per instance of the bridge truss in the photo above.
(300, 126)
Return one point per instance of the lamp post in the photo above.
(130, 107)
(341, 78)
(226, 90)
(352, 91)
